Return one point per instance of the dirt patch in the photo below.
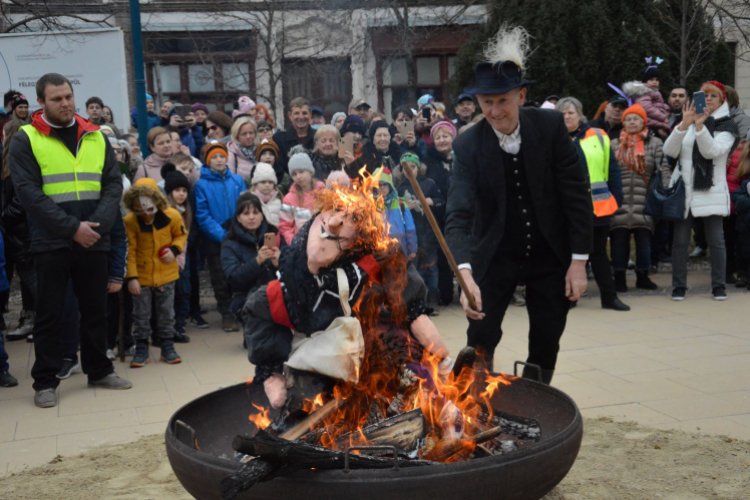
(617, 461)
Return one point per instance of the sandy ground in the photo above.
(621, 461)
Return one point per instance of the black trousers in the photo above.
(113, 318)
(601, 266)
(735, 260)
(88, 273)
(546, 304)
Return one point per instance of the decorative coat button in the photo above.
(518, 184)
(524, 210)
(528, 236)
(516, 172)
(515, 159)
(520, 197)
(528, 247)
(528, 224)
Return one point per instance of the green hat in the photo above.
(409, 156)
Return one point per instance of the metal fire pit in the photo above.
(200, 452)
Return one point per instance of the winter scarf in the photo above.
(631, 152)
(703, 173)
(248, 153)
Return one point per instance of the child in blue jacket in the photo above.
(397, 214)
(6, 379)
(216, 196)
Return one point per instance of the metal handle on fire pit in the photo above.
(370, 448)
(178, 425)
(530, 365)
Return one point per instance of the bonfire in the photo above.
(406, 400)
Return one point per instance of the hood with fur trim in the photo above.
(636, 89)
(139, 190)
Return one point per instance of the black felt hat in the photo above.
(497, 78)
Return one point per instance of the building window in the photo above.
(326, 83)
(433, 73)
(213, 68)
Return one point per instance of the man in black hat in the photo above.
(465, 109)
(519, 209)
(611, 119)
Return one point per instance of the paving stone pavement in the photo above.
(669, 365)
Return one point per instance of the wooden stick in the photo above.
(441, 239)
(309, 422)
(446, 448)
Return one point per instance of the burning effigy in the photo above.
(349, 360)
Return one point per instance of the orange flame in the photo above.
(386, 387)
(262, 419)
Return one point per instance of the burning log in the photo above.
(280, 451)
(450, 446)
(279, 457)
(312, 420)
(526, 429)
(403, 431)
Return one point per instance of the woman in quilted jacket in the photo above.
(639, 153)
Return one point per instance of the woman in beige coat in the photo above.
(639, 154)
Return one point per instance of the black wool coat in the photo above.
(477, 205)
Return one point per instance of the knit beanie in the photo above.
(716, 84)
(263, 172)
(375, 127)
(410, 157)
(353, 123)
(385, 175)
(336, 117)
(18, 101)
(167, 168)
(446, 125)
(245, 104)
(338, 178)
(638, 110)
(174, 180)
(213, 148)
(300, 161)
(266, 145)
(196, 106)
(425, 99)
(148, 97)
(649, 73)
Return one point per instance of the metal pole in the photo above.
(140, 76)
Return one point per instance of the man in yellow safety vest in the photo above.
(67, 179)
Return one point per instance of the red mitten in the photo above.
(275, 387)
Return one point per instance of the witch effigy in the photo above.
(344, 289)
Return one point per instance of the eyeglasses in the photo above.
(264, 129)
(212, 128)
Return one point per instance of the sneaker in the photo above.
(179, 328)
(518, 299)
(181, 338)
(697, 252)
(130, 351)
(198, 322)
(24, 329)
(720, 293)
(111, 355)
(68, 367)
(7, 380)
(679, 293)
(229, 324)
(30, 339)
(141, 357)
(170, 356)
(111, 381)
(46, 398)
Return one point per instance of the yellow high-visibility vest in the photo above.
(596, 149)
(66, 177)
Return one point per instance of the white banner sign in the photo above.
(93, 61)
